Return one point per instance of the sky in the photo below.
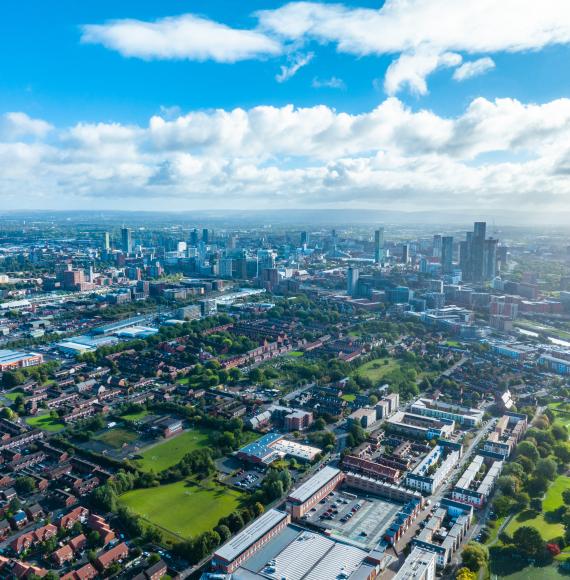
(407, 105)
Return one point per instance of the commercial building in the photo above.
(310, 493)
(555, 364)
(467, 418)
(274, 446)
(13, 359)
(241, 547)
(378, 245)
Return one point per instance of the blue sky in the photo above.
(95, 87)
(48, 72)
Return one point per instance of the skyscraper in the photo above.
(205, 236)
(126, 240)
(304, 238)
(378, 245)
(351, 281)
(490, 259)
(437, 241)
(106, 242)
(405, 253)
(447, 254)
(478, 251)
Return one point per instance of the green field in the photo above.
(164, 455)
(532, 573)
(184, 509)
(552, 501)
(349, 397)
(134, 416)
(116, 438)
(45, 422)
(295, 353)
(12, 396)
(377, 369)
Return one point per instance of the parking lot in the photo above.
(247, 479)
(359, 519)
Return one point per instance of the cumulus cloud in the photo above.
(297, 62)
(185, 37)
(416, 28)
(473, 68)
(413, 69)
(391, 156)
(17, 125)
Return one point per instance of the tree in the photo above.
(224, 532)
(546, 468)
(528, 541)
(559, 432)
(320, 424)
(528, 449)
(465, 574)
(24, 485)
(566, 496)
(474, 556)
(537, 486)
(507, 484)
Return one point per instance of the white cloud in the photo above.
(185, 37)
(423, 27)
(413, 69)
(392, 156)
(17, 125)
(474, 68)
(297, 62)
(330, 83)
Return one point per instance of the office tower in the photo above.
(490, 259)
(266, 259)
(447, 254)
(73, 279)
(502, 256)
(478, 251)
(437, 241)
(240, 268)
(181, 247)
(194, 237)
(106, 242)
(351, 281)
(126, 240)
(205, 236)
(378, 245)
(405, 253)
(226, 268)
(304, 239)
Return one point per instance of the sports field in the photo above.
(135, 416)
(116, 438)
(164, 455)
(45, 422)
(184, 509)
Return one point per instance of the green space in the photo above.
(183, 381)
(544, 329)
(135, 416)
(552, 501)
(561, 413)
(45, 422)
(164, 455)
(295, 353)
(532, 573)
(12, 395)
(376, 369)
(349, 397)
(453, 344)
(183, 509)
(116, 438)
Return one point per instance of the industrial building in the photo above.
(306, 496)
(13, 359)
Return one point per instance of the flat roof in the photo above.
(237, 545)
(312, 485)
(8, 356)
(416, 564)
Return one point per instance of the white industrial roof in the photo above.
(311, 486)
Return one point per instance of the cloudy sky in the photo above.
(403, 105)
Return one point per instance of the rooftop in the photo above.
(312, 485)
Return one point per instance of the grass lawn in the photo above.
(164, 455)
(12, 396)
(116, 438)
(532, 573)
(295, 353)
(552, 501)
(349, 397)
(453, 344)
(45, 422)
(183, 508)
(377, 369)
(183, 381)
(135, 416)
